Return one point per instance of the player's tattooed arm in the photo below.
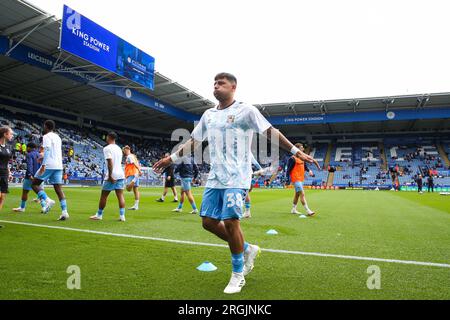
(185, 149)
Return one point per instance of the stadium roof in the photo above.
(357, 105)
(25, 24)
(22, 22)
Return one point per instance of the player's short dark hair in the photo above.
(299, 145)
(32, 145)
(50, 125)
(112, 135)
(226, 75)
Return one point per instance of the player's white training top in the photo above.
(229, 133)
(255, 162)
(113, 151)
(52, 151)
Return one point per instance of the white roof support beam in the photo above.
(21, 40)
(19, 28)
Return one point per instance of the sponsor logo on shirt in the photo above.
(230, 119)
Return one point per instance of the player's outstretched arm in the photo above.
(185, 149)
(285, 144)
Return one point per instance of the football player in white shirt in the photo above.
(114, 177)
(231, 172)
(51, 170)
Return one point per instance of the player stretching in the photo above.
(132, 174)
(295, 173)
(32, 167)
(51, 169)
(188, 170)
(231, 171)
(114, 177)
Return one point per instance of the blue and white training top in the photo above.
(229, 133)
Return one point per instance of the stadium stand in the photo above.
(357, 163)
(82, 148)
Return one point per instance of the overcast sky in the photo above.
(286, 51)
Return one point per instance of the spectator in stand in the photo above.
(18, 146)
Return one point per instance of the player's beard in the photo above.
(220, 96)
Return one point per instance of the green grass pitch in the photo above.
(388, 225)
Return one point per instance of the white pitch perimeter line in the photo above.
(316, 254)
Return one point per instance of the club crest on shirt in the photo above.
(230, 119)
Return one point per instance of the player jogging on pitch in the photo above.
(132, 174)
(188, 171)
(114, 177)
(295, 173)
(51, 169)
(230, 174)
(32, 167)
(169, 182)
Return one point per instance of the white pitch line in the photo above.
(316, 254)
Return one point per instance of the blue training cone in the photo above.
(302, 216)
(207, 267)
(272, 232)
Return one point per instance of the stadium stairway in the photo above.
(383, 156)
(330, 179)
(443, 154)
(328, 156)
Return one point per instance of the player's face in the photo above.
(224, 89)
(9, 135)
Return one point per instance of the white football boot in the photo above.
(236, 283)
(250, 255)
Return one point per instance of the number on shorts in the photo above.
(232, 202)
